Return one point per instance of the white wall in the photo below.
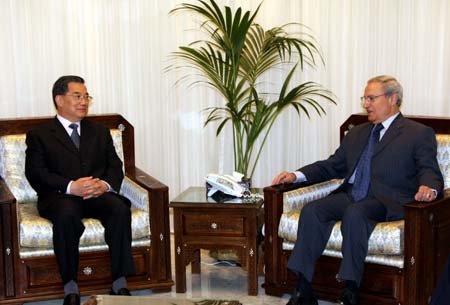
(121, 48)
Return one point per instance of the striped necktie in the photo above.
(74, 135)
(362, 177)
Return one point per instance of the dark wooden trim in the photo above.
(7, 209)
(6, 197)
(427, 230)
(426, 246)
(159, 227)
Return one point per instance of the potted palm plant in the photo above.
(232, 59)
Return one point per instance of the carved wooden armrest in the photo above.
(158, 192)
(273, 208)
(274, 204)
(427, 244)
(8, 239)
(443, 198)
(146, 181)
(159, 218)
(158, 197)
(419, 215)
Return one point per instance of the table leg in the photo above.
(195, 263)
(180, 269)
(180, 254)
(252, 253)
(252, 274)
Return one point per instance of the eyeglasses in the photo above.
(80, 97)
(370, 98)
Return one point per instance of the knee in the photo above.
(121, 211)
(308, 216)
(67, 217)
(308, 210)
(68, 224)
(353, 215)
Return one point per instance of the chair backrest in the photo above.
(443, 157)
(12, 149)
(441, 126)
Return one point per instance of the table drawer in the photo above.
(227, 225)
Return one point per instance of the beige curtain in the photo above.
(121, 48)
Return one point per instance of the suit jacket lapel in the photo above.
(364, 138)
(391, 134)
(61, 136)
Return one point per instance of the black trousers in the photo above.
(66, 213)
(316, 222)
(441, 294)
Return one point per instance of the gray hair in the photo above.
(390, 86)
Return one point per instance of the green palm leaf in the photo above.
(236, 54)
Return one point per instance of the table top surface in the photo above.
(197, 195)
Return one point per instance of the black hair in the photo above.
(61, 86)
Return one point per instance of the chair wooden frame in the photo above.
(18, 282)
(426, 247)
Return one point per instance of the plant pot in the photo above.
(246, 182)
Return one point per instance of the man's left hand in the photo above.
(97, 189)
(425, 194)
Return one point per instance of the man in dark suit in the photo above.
(386, 162)
(73, 166)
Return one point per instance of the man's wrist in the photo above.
(300, 177)
(434, 192)
(68, 192)
(108, 187)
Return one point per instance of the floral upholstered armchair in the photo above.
(404, 258)
(28, 267)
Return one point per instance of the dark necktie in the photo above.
(362, 177)
(74, 135)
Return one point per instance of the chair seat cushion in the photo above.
(36, 232)
(386, 239)
(387, 260)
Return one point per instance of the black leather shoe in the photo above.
(122, 291)
(298, 299)
(72, 299)
(349, 297)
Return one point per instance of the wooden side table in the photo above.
(202, 223)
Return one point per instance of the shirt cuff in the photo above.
(435, 193)
(68, 188)
(300, 177)
(110, 189)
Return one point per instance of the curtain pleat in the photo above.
(122, 48)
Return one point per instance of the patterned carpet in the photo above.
(138, 300)
(216, 302)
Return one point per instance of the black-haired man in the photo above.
(72, 164)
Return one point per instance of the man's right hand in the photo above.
(284, 177)
(84, 187)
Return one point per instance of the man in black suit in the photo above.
(73, 166)
(386, 162)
